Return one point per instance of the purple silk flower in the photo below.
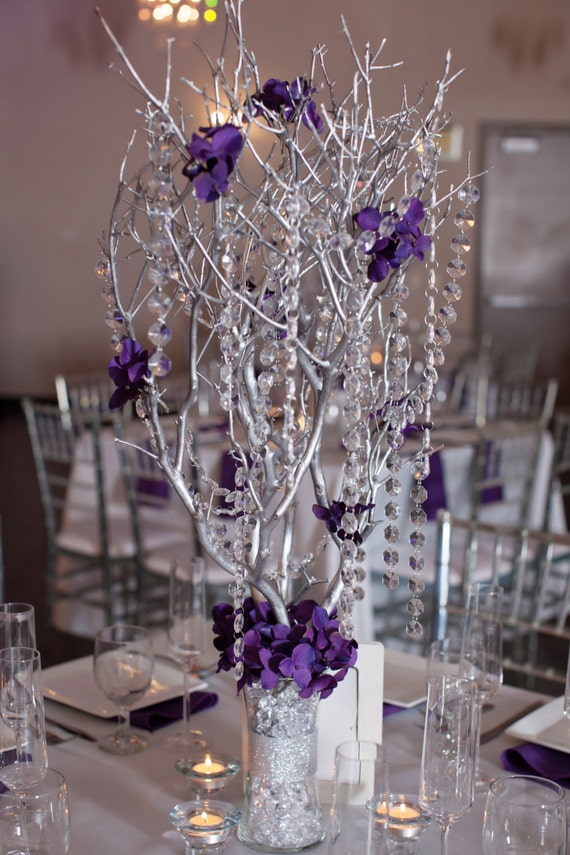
(397, 238)
(280, 96)
(128, 371)
(214, 158)
(310, 651)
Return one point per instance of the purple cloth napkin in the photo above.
(159, 715)
(532, 759)
(492, 469)
(390, 709)
(435, 487)
(155, 486)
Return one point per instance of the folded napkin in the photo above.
(390, 709)
(532, 759)
(159, 715)
(435, 487)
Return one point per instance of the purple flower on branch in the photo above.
(214, 158)
(333, 518)
(289, 99)
(128, 372)
(397, 237)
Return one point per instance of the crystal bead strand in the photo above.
(394, 415)
(162, 269)
(355, 441)
(296, 207)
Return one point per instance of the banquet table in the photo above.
(122, 804)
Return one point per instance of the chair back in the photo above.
(509, 435)
(560, 470)
(534, 569)
(86, 393)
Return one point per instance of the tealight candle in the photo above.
(205, 825)
(210, 772)
(200, 820)
(208, 767)
(406, 820)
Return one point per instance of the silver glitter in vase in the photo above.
(282, 810)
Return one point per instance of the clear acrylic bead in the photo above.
(159, 364)
(414, 630)
(390, 581)
(464, 218)
(468, 193)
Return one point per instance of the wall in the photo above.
(67, 118)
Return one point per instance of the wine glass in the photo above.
(186, 641)
(524, 814)
(482, 653)
(23, 757)
(17, 625)
(123, 663)
(45, 813)
(448, 752)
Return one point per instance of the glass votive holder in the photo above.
(406, 822)
(205, 824)
(209, 771)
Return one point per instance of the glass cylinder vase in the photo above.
(282, 811)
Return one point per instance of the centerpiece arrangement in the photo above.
(275, 241)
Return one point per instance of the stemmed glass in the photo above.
(448, 753)
(524, 814)
(45, 813)
(482, 652)
(566, 708)
(17, 625)
(186, 641)
(23, 759)
(23, 750)
(123, 664)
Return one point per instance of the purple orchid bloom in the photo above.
(278, 96)
(128, 371)
(214, 158)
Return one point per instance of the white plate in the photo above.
(72, 683)
(404, 678)
(545, 726)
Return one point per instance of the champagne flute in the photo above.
(23, 757)
(524, 815)
(186, 641)
(444, 657)
(17, 625)
(45, 812)
(482, 653)
(448, 752)
(123, 663)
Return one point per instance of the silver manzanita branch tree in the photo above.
(276, 242)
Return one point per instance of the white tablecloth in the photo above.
(121, 804)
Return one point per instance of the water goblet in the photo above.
(482, 653)
(448, 752)
(17, 625)
(524, 815)
(358, 816)
(186, 641)
(123, 664)
(23, 751)
(45, 814)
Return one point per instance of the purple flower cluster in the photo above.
(128, 372)
(289, 99)
(308, 651)
(214, 158)
(333, 515)
(397, 238)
